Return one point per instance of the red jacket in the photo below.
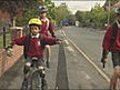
(35, 49)
(107, 41)
(47, 27)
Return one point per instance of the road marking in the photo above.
(88, 59)
(64, 33)
(66, 42)
(70, 49)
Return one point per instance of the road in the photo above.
(69, 69)
(90, 42)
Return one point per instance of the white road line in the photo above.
(70, 49)
(66, 42)
(64, 33)
(88, 59)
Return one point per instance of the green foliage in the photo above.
(51, 8)
(22, 10)
(29, 13)
(83, 17)
(112, 16)
(61, 12)
(71, 19)
(79, 16)
(34, 12)
(96, 18)
(19, 8)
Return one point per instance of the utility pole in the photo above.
(109, 7)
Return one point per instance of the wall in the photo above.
(8, 61)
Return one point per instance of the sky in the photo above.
(84, 5)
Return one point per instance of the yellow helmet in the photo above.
(35, 21)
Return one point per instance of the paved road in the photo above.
(89, 41)
(69, 69)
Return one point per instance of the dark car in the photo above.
(65, 23)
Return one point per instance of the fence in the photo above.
(5, 37)
(5, 61)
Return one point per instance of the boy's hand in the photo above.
(104, 57)
(9, 51)
(103, 61)
(59, 41)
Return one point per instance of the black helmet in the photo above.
(117, 11)
(43, 9)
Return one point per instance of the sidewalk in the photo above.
(11, 75)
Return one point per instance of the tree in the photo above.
(83, 18)
(16, 7)
(22, 10)
(96, 18)
(98, 15)
(78, 15)
(34, 12)
(61, 12)
(71, 19)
